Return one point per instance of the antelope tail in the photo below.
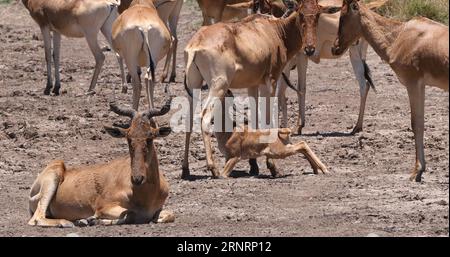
(188, 90)
(151, 63)
(368, 75)
(288, 82)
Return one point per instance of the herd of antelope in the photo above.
(243, 44)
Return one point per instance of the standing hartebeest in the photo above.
(327, 28)
(126, 190)
(169, 11)
(73, 18)
(247, 54)
(142, 39)
(417, 51)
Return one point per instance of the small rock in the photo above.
(372, 235)
(72, 235)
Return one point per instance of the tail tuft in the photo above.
(368, 76)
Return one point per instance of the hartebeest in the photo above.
(327, 28)
(73, 18)
(247, 54)
(142, 39)
(244, 143)
(417, 51)
(223, 10)
(169, 11)
(126, 190)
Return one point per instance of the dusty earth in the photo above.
(368, 191)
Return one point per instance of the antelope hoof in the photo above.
(172, 78)
(128, 78)
(416, 176)
(124, 89)
(166, 217)
(356, 130)
(223, 176)
(298, 130)
(254, 171)
(213, 170)
(47, 91)
(324, 171)
(81, 223)
(56, 89)
(185, 173)
(274, 172)
(163, 78)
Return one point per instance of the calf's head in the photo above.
(140, 136)
(349, 26)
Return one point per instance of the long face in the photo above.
(349, 27)
(309, 14)
(140, 136)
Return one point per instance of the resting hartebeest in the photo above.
(223, 10)
(417, 51)
(169, 11)
(142, 39)
(247, 54)
(73, 18)
(126, 190)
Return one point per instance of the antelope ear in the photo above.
(115, 131)
(164, 131)
(330, 9)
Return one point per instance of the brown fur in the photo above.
(417, 51)
(247, 144)
(223, 10)
(327, 29)
(250, 53)
(169, 12)
(142, 39)
(73, 18)
(126, 190)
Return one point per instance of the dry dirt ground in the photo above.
(368, 192)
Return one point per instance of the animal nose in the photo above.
(309, 50)
(335, 50)
(137, 180)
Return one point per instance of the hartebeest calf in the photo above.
(223, 10)
(250, 53)
(169, 11)
(73, 18)
(243, 143)
(416, 50)
(142, 39)
(246, 143)
(126, 190)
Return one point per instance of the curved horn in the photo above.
(291, 6)
(165, 109)
(122, 111)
